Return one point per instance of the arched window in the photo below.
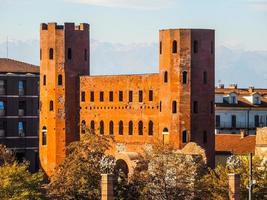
(205, 77)
(44, 135)
(184, 77)
(174, 107)
(85, 54)
(120, 128)
(69, 54)
(165, 77)
(174, 46)
(92, 125)
(205, 137)
(59, 79)
(150, 128)
(140, 128)
(130, 127)
(51, 106)
(83, 126)
(44, 80)
(111, 128)
(101, 127)
(160, 47)
(51, 53)
(184, 136)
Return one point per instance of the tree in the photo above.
(16, 182)
(215, 183)
(169, 175)
(78, 177)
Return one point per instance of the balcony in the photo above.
(239, 125)
(2, 112)
(2, 132)
(21, 112)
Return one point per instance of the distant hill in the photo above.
(246, 68)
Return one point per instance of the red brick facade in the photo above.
(136, 109)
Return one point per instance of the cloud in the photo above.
(135, 4)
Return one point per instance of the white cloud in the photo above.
(136, 4)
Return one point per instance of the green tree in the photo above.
(78, 177)
(16, 182)
(215, 183)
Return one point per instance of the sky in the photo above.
(239, 24)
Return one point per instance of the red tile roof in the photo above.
(13, 66)
(233, 143)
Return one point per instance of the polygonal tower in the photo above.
(64, 56)
(187, 88)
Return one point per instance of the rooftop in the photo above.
(13, 66)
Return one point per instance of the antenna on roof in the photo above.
(7, 46)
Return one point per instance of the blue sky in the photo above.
(238, 23)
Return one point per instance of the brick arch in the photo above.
(130, 158)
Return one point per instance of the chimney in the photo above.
(251, 89)
(243, 133)
(234, 186)
(233, 86)
(106, 187)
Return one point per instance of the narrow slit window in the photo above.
(101, 128)
(195, 46)
(140, 96)
(101, 96)
(51, 106)
(165, 77)
(111, 128)
(69, 54)
(130, 96)
(184, 136)
(205, 77)
(92, 96)
(130, 128)
(111, 96)
(184, 77)
(44, 80)
(174, 107)
(150, 128)
(59, 80)
(195, 107)
(140, 128)
(92, 126)
(150, 95)
(174, 46)
(85, 54)
(83, 96)
(120, 128)
(160, 47)
(51, 53)
(120, 96)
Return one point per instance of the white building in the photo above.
(240, 109)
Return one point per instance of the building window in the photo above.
(22, 87)
(130, 96)
(2, 108)
(174, 46)
(101, 128)
(165, 77)
(233, 120)
(205, 77)
(150, 95)
(51, 53)
(59, 79)
(111, 128)
(212, 47)
(184, 77)
(218, 121)
(211, 107)
(195, 107)
(195, 46)
(92, 126)
(130, 128)
(44, 80)
(140, 128)
(83, 128)
(21, 129)
(22, 108)
(41, 54)
(111, 96)
(92, 96)
(83, 96)
(85, 54)
(160, 106)
(257, 120)
(44, 135)
(150, 128)
(2, 87)
(184, 136)
(101, 96)
(120, 96)
(69, 54)
(2, 128)
(174, 107)
(205, 137)
(140, 96)
(120, 128)
(51, 106)
(160, 47)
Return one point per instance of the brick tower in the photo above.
(64, 56)
(186, 90)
